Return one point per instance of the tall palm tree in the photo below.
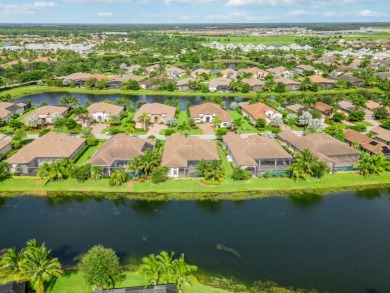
(144, 118)
(81, 113)
(118, 177)
(145, 163)
(182, 273)
(151, 268)
(214, 171)
(10, 266)
(96, 173)
(38, 266)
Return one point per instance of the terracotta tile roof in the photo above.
(320, 144)
(77, 76)
(200, 71)
(175, 70)
(227, 71)
(128, 77)
(372, 105)
(258, 110)
(296, 108)
(179, 150)
(102, 107)
(366, 142)
(320, 79)
(222, 81)
(210, 109)
(277, 70)
(305, 67)
(4, 143)
(185, 81)
(47, 111)
(51, 145)
(4, 113)
(322, 107)
(254, 70)
(120, 146)
(253, 81)
(286, 81)
(247, 150)
(156, 109)
(381, 133)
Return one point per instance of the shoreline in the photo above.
(253, 189)
(23, 91)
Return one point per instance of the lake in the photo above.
(338, 243)
(54, 98)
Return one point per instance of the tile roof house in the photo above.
(372, 105)
(256, 154)
(7, 109)
(5, 146)
(296, 108)
(324, 82)
(199, 71)
(325, 109)
(102, 111)
(206, 113)
(349, 78)
(174, 72)
(184, 84)
(155, 83)
(228, 73)
(367, 144)
(381, 134)
(256, 72)
(301, 68)
(157, 112)
(46, 149)
(219, 84)
(337, 155)
(118, 150)
(259, 111)
(255, 84)
(45, 113)
(290, 84)
(182, 154)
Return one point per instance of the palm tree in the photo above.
(145, 163)
(144, 118)
(164, 260)
(182, 273)
(81, 113)
(151, 268)
(214, 171)
(96, 173)
(375, 164)
(305, 165)
(118, 177)
(236, 124)
(38, 266)
(10, 266)
(201, 167)
(217, 121)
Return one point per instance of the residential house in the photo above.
(228, 73)
(372, 105)
(175, 72)
(184, 84)
(290, 84)
(46, 149)
(199, 71)
(256, 72)
(45, 113)
(346, 106)
(183, 153)
(79, 78)
(279, 72)
(355, 81)
(367, 144)
(219, 84)
(325, 109)
(296, 108)
(382, 135)
(152, 68)
(324, 82)
(157, 112)
(256, 154)
(337, 155)
(255, 84)
(206, 113)
(259, 111)
(132, 68)
(299, 69)
(116, 81)
(119, 150)
(155, 83)
(5, 146)
(101, 111)
(8, 109)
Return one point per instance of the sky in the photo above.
(193, 11)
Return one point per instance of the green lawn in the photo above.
(72, 282)
(226, 165)
(88, 154)
(183, 119)
(246, 127)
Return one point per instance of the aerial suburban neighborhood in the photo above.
(102, 125)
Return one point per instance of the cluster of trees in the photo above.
(212, 171)
(307, 165)
(375, 164)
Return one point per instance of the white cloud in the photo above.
(369, 13)
(298, 13)
(17, 10)
(105, 14)
(99, 1)
(228, 16)
(192, 2)
(235, 3)
(362, 13)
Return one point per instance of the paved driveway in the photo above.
(98, 127)
(207, 129)
(155, 129)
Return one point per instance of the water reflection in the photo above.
(146, 207)
(305, 201)
(211, 206)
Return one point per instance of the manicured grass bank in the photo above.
(36, 89)
(74, 283)
(188, 189)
